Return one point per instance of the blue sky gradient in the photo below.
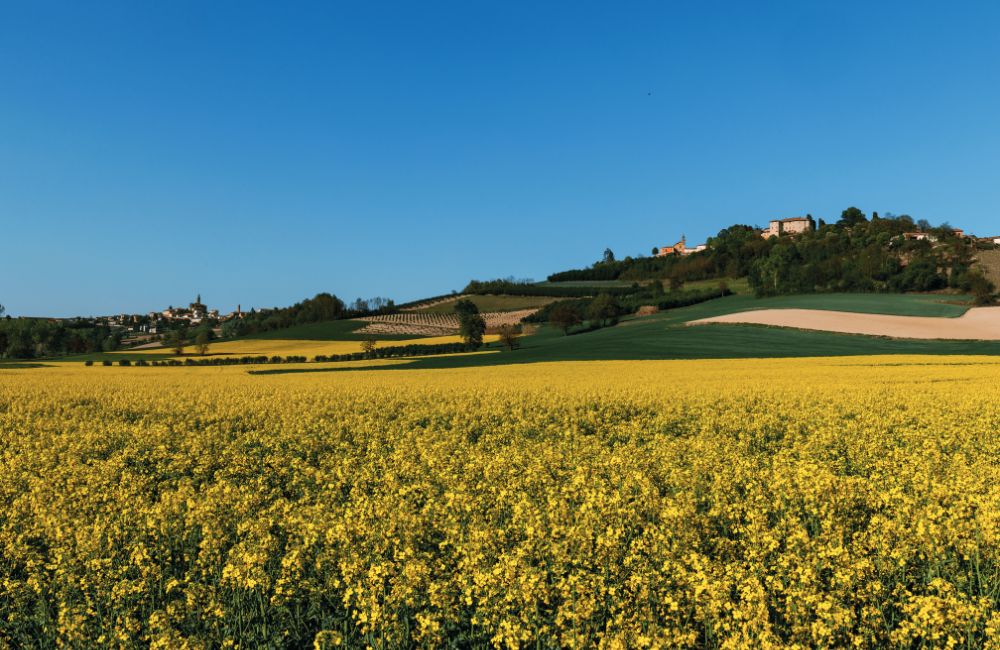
(259, 153)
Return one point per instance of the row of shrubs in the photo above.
(675, 300)
(413, 350)
(630, 305)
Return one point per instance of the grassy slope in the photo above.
(491, 303)
(739, 286)
(664, 336)
(736, 285)
(588, 283)
(864, 303)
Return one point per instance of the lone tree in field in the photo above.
(471, 325)
(201, 343)
(368, 347)
(564, 317)
(604, 308)
(509, 335)
(176, 340)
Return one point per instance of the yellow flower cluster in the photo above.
(295, 347)
(849, 502)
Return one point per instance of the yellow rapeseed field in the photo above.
(296, 347)
(850, 502)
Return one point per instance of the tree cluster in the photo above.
(858, 254)
(853, 254)
(28, 338)
(579, 315)
(323, 307)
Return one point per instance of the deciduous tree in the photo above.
(509, 335)
(471, 325)
(177, 340)
(201, 342)
(604, 308)
(564, 317)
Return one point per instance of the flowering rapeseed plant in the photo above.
(781, 503)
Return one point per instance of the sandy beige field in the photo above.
(982, 323)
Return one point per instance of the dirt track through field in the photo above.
(982, 323)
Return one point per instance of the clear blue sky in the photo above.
(259, 153)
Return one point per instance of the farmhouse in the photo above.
(790, 226)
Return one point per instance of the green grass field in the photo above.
(492, 303)
(665, 336)
(946, 306)
(739, 286)
(589, 283)
(736, 285)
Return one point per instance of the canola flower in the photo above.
(849, 502)
(296, 347)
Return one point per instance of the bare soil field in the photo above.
(979, 324)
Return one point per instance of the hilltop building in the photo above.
(680, 248)
(790, 226)
(919, 236)
(676, 249)
(197, 309)
(194, 314)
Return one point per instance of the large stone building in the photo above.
(790, 226)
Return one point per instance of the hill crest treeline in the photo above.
(853, 254)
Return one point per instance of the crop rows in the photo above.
(422, 324)
(433, 303)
